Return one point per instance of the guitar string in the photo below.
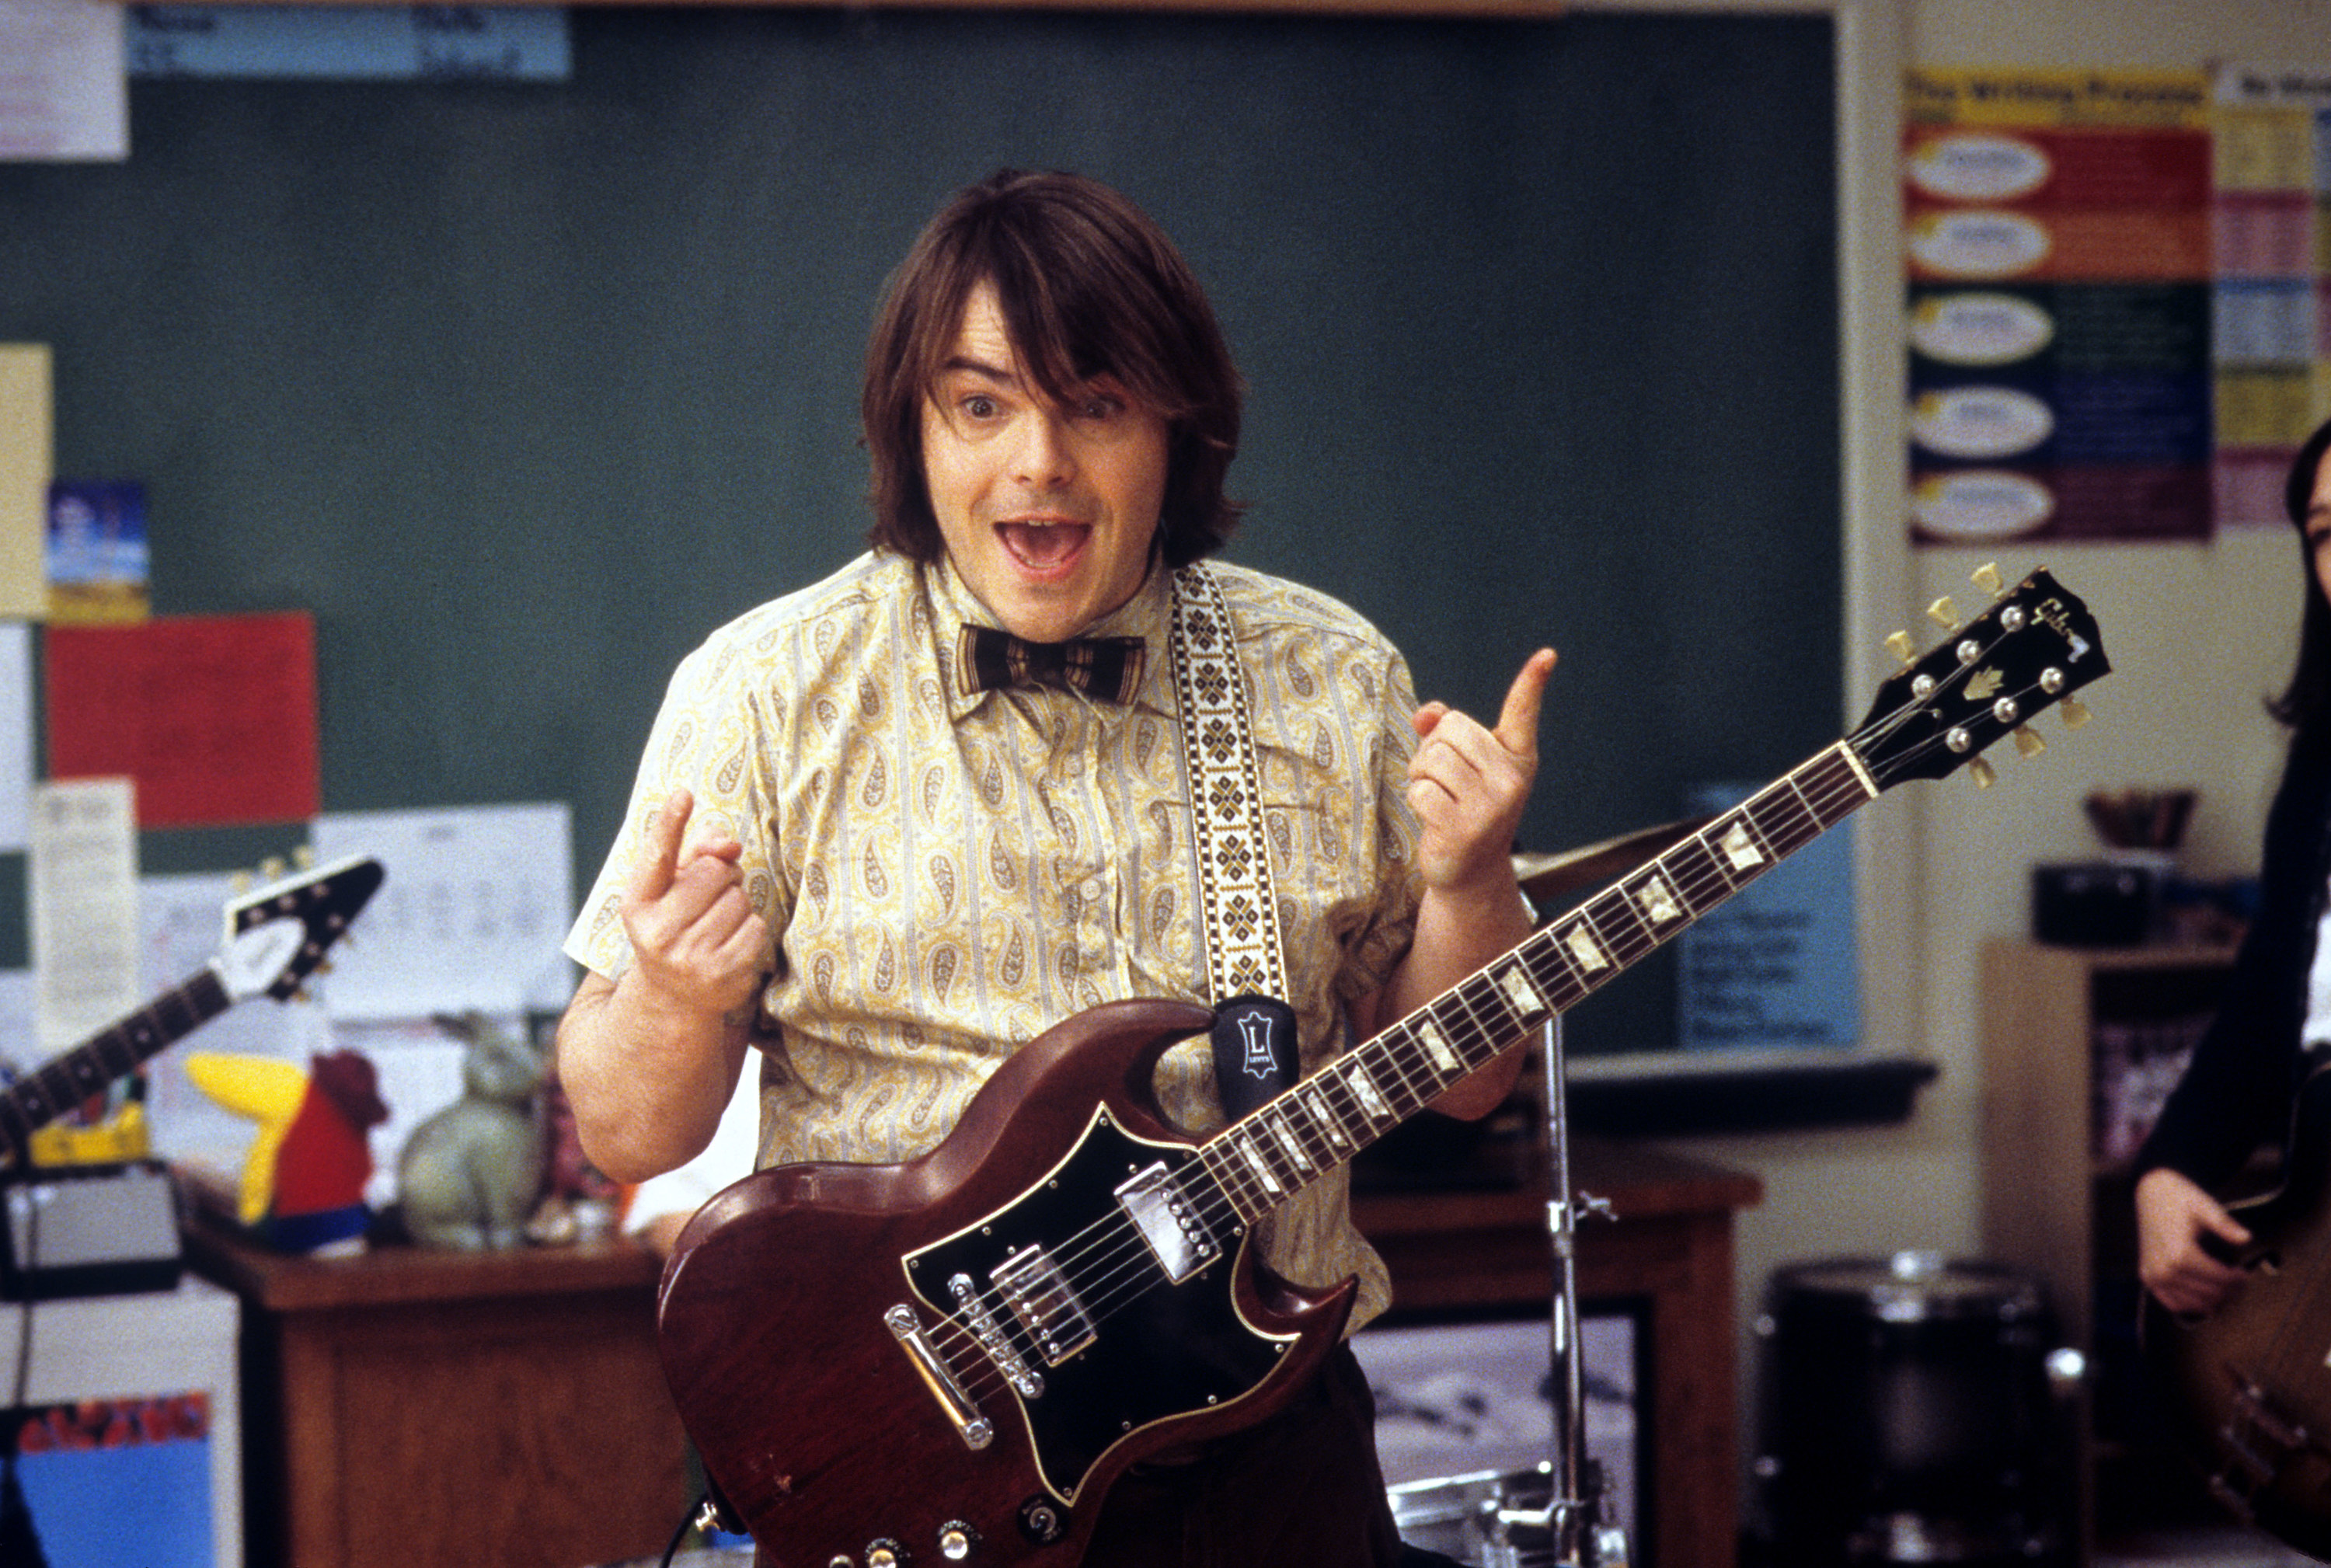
(1100, 1295)
(1097, 1294)
(1128, 1259)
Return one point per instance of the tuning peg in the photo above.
(2027, 741)
(271, 867)
(2076, 713)
(1943, 614)
(304, 857)
(1987, 578)
(1900, 646)
(1982, 773)
(240, 882)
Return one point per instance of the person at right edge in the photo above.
(2238, 1094)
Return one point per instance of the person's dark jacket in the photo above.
(2238, 1095)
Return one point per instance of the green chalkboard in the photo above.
(521, 388)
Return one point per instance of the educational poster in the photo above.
(2273, 169)
(2057, 242)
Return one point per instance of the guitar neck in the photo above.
(1275, 1152)
(67, 1080)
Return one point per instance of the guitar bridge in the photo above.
(992, 1339)
(1038, 1293)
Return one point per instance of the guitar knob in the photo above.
(956, 1540)
(885, 1555)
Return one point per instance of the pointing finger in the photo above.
(652, 872)
(1516, 728)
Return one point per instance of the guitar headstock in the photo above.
(277, 935)
(2030, 649)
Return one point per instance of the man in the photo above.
(847, 850)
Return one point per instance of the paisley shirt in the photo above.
(949, 875)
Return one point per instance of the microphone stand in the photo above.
(1572, 1513)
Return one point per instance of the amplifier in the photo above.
(89, 1231)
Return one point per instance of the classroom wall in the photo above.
(2197, 633)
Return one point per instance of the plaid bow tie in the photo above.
(1109, 667)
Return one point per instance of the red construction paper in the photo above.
(213, 716)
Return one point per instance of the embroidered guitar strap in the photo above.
(1255, 1056)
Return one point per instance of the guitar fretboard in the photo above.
(1263, 1160)
(64, 1081)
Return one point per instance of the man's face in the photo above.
(1048, 510)
(2318, 524)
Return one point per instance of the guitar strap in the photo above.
(1254, 1044)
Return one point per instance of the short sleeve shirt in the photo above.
(950, 874)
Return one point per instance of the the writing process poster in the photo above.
(2057, 236)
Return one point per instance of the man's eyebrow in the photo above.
(977, 366)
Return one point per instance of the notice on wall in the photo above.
(67, 100)
(26, 459)
(215, 716)
(85, 897)
(1775, 966)
(2056, 235)
(2272, 164)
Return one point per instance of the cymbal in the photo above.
(1544, 876)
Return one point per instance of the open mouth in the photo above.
(1044, 546)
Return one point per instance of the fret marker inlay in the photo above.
(1525, 1000)
(1261, 1168)
(1437, 1047)
(1740, 848)
(1365, 1087)
(1585, 949)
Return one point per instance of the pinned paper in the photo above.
(215, 716)
(469, 918)
(26, 467)
(68, 98)
(85, 897)
(96, 553)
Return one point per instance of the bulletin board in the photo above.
(521, 388)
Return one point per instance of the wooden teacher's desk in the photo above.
(1669, 1251)
(410, 1409)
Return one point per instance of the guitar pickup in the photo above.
(1177, 1237)
(1039, 1295)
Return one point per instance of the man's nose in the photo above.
(1043, 458)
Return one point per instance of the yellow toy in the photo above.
(303, 1180)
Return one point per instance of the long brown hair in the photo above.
(1089, 286)
(2304, 704)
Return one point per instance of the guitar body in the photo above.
(815, 1424)
(2249, 1384)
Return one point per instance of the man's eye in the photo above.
(1100, 407)
(979, 405)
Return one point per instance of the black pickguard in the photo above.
(1160, 1349)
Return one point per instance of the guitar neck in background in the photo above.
(89, 1068)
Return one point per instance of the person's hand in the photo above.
(698, 945)
(1468, 784)
(2173, 1216)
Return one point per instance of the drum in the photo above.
(1909, 1416)
(1457, 1516)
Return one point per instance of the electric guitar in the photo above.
(2247, 1384)
(950, 1360)
(276, 938)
